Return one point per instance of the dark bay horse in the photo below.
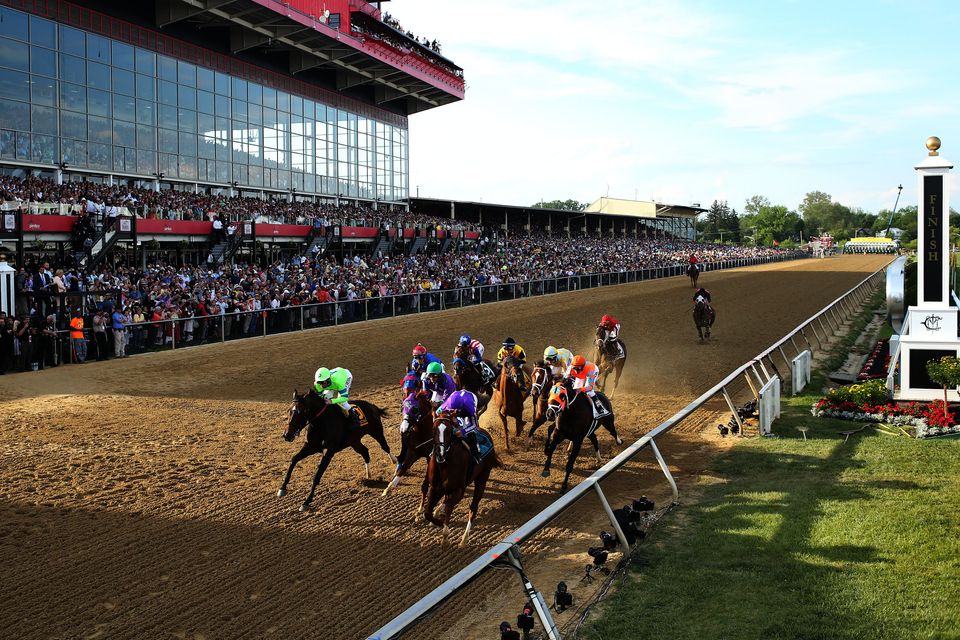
(573, 416)
(693, 272)
(450, 470)
(416, 435)
(609, 360)
(467, 376)
(463, 353)
(329, 431)
(703, 316)
(511, 392)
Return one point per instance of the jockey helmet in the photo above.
(434, 368)
(321, 379)
(419, 351)
(606, 320)
(578, 362)
(550, 354)
(464, 339)
(509, 343)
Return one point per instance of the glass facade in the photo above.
(112, 108)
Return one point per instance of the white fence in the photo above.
(769, 405)
(507, 553)
(801, 371)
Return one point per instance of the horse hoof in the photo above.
(304, 508)
(619, 440)
(545, 473)
(281, 493)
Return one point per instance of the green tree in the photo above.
(720, 222)
(563, 205)
(945, 372)
(815, 210)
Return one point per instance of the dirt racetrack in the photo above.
(138, 496)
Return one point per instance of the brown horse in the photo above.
(703, 316)
(611, 357)
(540, 391)
(450, 471)
(416, 435)
(510, 395)
(693, 272)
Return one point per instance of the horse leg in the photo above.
(305, 451)
(434, 494)
(365, 454)
(596, 446)
(479, 486)
(506, 429)
(616, 381)
(377, 434)
(324, 462)
(449, 502)
(424, 496)
(612, 428)
(571, 459)
(548, 449)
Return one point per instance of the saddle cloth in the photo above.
(361, 416)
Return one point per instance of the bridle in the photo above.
(537, 387)
(443, 440)
(294, 410)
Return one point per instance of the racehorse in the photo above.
(416, 435)
(467, 376)
(539, 392)
(511, 393)
(693, 272)
(331, 432)
(574, 421)
(450, 470)
(703, 316)
(609, 360)
(462, 352)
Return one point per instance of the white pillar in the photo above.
(7, 289)
(932, 328)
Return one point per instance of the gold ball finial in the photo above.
(933, 144)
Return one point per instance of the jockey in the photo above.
(410, 382)
(609, 331)
(474, 348)
(702, 293)
(463, 406)
(584, 374)
(511, 348)
(557, 360)
(421, 359)
(693, 259)
(334, 386)
(438, 384)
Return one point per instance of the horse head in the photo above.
(512, 366)
(557, 402)
(413, 408)
(541, 376)
(443, 429)
(302, 410)
(462, 352)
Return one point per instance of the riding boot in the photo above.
(473, 445)
(352, 417)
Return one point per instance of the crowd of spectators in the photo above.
(128, 308)
(389, 20)
(107, 202)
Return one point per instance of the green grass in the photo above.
(802, 540)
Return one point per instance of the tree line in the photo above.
(763, 223)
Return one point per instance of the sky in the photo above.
(686, 102)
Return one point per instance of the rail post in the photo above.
(223, 326)
(666, 469)
(624, 545)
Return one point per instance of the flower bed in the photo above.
(877, 362)
(868, 402)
